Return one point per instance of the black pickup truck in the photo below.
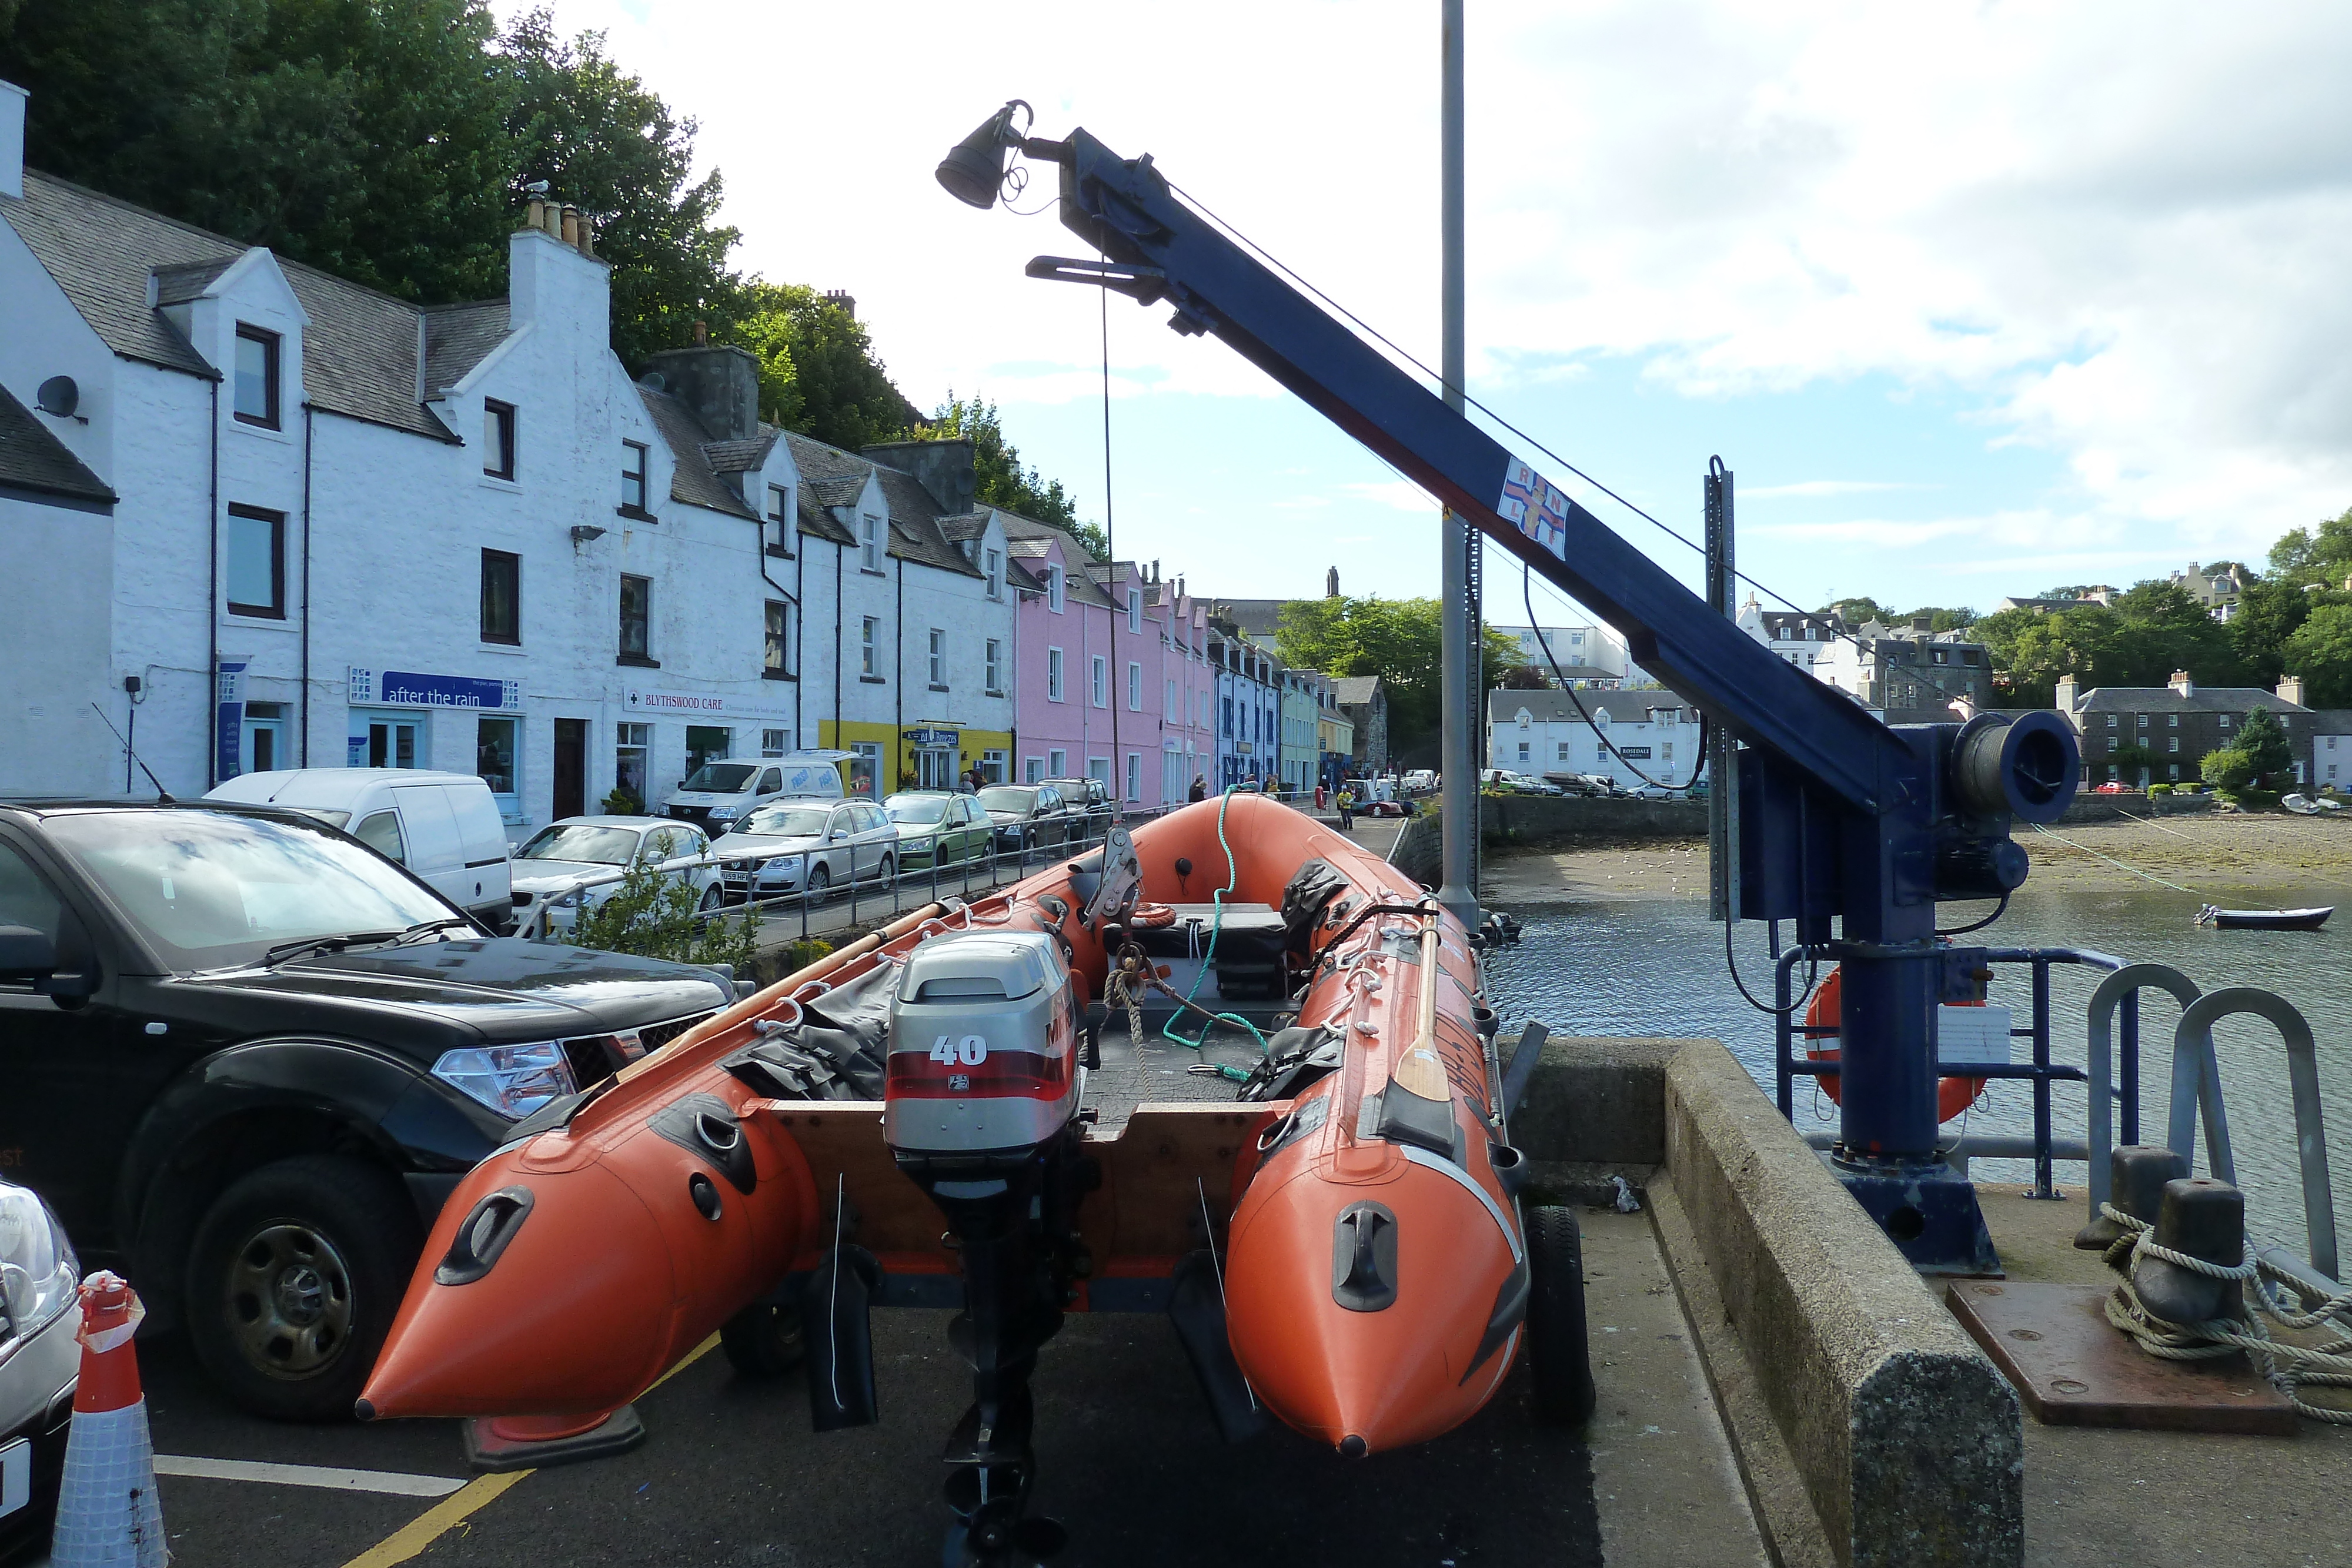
(245, 1058)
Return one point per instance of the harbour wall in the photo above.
(1869, 1430)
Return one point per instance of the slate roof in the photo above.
(1551, 705)
(2331, 721)
(459, 337)
(691, 478)
(742, 456)
(359, 352)
(832, 477)
(2164, 699)
(1354, 691)
(964, 525)
(915, 524)
(33, 458)
(817, 521)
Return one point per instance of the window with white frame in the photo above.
(869, 647)
(996, 574)
(869, 543)
(775, 742)
(1134, 687)
(1053, 675)
(994, 665)
(1032, 768)
(1135, 611)
(1523, 753)
(1563, 751)
(1054, 598)
(1170, 709)
(939, 658)
(1135, 776)
(1057, 763)
(1098, 680)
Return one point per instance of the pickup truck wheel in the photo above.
(293, 1281)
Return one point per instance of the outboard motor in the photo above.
(982, 1111)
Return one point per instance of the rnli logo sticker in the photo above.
(1536, 506)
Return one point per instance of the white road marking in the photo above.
(389, 1481)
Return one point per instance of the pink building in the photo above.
(1111, 678)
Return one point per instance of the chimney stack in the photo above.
(2067, 695)
(842, 297)
(2290, 689)
(12, 138)
(720, 383)
(2181, 684)
(945, 469)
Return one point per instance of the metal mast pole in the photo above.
(1459, 729)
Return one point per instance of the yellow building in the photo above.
(928, 756)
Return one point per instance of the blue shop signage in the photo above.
(930, 736)
(407, 689)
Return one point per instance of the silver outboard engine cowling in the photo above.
(983, 1046)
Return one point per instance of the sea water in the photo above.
(1656, 967)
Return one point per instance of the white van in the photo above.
(445, 827)
(717, 795)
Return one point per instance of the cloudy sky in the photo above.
(1975, 299)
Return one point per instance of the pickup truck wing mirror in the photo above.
(30, 955)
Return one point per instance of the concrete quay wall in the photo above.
(1870, 1432)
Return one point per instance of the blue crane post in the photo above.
(1840, 815)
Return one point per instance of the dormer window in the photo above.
(779, 520)
(996, 574)
(869, 543)
(256, 377)
(1054, 599)
(1134, 610)
(497, 439)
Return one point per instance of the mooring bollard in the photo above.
(2137, 1174)
(2204, 1219)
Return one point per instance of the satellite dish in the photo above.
(58, 396)
(654, 381)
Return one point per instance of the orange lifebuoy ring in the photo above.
(1152, 916)
(1953, 1095)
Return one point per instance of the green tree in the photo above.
(2031, 648)
(2270, 610)
(2304, 556)
(2164, 629)
(2265, 742)
(2229, 771)
(2320, 651)
(818, 373)
(1943, 619)
(366, 137)
(656, 916)
(1003, 480)
(604, 142)
(1399, 640)
(1857, 612)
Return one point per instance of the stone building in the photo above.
(2176, 725)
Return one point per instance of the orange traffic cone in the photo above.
(107, 1514)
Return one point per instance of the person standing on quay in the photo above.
(1200, 791)
(1347, 804)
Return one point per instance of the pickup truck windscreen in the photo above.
(210, 891)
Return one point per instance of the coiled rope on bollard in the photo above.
(2289, 1367)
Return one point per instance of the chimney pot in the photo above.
(552, 218)
(534, 213)
(702, 334)
(587, 235)
(571, 221)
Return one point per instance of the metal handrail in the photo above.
(2120, 991)
(2041, 1071)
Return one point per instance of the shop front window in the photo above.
(865, 767)
(706, 742)
(494, 753)
(631, 742)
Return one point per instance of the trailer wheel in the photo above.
(762, 1340)
(1557, 1355)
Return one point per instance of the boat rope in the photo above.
(2288, 1367)
(1208, 962)
(2111, 860)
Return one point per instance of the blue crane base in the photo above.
(1928, 1212)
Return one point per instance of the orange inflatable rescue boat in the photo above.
(1341, 1247)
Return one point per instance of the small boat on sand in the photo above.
(2263, 919)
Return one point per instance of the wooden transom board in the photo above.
(1145, 1216)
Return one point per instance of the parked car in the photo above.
(561, 854)
(445, 827)
(717, 795)
(936, 826)
(40, 1312)
(1026, 815)
(1088, 802)
(247, 1057)
(1419, 782)
(818, 846)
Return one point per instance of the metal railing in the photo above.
(2044, 1148)
(863, 895)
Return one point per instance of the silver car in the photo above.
(818, 846)
(563, 852)
(39, 1313)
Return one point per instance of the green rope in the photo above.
(1216, 923)
(2113, 862)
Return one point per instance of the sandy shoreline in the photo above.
(2200, 854)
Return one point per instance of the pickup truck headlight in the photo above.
(513, 1080)
(39, 1274)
